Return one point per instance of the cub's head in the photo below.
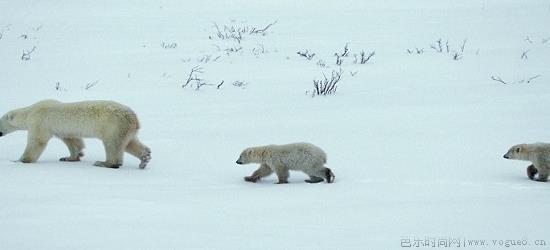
(517, 152)
(249, 155)
(8, 123)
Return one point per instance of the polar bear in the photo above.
(304, 157)
(537, 153)
(115, 124)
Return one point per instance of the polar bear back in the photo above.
(296, 156)
(83, 119)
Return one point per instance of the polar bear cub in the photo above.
(537, 153)
(113, 123)
(304, 157)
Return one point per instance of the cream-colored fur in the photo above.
(537, 153)
(304, 157)
(115, 124)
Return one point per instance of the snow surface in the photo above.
(415, 140)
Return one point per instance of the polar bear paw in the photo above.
(106, 165)
(145, 159)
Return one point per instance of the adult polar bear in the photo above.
(115, 124)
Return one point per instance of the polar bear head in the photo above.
(518, 152)
(250, 155)
(10, 122)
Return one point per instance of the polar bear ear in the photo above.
(11, 116)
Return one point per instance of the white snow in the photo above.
(415, 140)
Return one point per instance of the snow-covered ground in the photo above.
(415, 140)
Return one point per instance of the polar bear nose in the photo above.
(1, 134)
(505, 156)
(239, 162)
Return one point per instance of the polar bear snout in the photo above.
(239, 162)
(1, 134)
(506, 156)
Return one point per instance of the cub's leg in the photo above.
(263, 171)
(282, 174)
(36, 143)
(140, 151)
(318, 174)
(114, 150)
(75, 145)
(314, 179)
(531, 171)
(543, 173)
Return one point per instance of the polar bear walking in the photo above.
(304, 157)
(537, 153)
(113, 123)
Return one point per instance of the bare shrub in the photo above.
(438, 47)
(524, 54)
(327, 86)
(363, 57)
(416, 51)
(239, 84)
(27, 54)
(237, 33)
(91, 84)
(166, 45)
(195, 76)
(308, 55)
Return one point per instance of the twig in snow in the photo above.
(194, 76)
(439, 47)
(308, 55)
(239, 84)
(219, 85)
(338, 59)
(365, 58)
(533, 78)
(457, 56)
(91, 85)
(463, 45)
(498, 79)
(254, 30)
(417, 51)
(524, 54)
(27, 54)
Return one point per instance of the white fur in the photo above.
(115, 124)
(537, 153)
(304, 157)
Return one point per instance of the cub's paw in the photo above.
(251, 178)
(314, 179)
(531, 172)
(329, 175)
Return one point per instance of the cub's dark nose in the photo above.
(505, 156)
(239, 162)
(1, 134)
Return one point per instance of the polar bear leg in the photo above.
(314, 179)
(318, 174)
(75, 145)
(36, 143)
(282, 174)
(263, 171)
(531, 171)
(140, 151)
(114, 152)
(543, 174)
